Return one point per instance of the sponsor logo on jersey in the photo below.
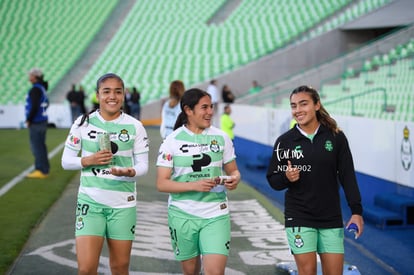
(166, 157)
(73, 140)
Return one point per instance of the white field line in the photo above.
(23, 174)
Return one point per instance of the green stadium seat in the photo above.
(350, 72)
(254, 29)
(386, 59)
(399, 88)
(39, 34)
(393, 55)
(367, 66)
(376, 61)
(250, 32)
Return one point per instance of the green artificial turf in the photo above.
(24, 205)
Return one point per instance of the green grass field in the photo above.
(23, 206)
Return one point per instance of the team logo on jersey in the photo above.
(123, 136)
(214, 146)
(298, 241)
(406, 150)
(73, 140)
(79, 223)
(328, 146)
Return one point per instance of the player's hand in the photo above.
(232, 183)
(123, 171)
(292, 174)
(359, 221)
(103, 157)
(204, 185)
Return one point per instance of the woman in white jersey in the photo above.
(114, 152)
(171, 108)
(189, 163)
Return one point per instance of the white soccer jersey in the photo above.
(128, 139)
(168, 117)
(193, 157)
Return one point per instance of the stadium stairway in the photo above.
(221, 15)
(391, 210)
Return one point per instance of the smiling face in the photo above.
(199, 118)
(111, 98)
(304, 111)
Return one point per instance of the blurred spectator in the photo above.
(255, 88)
(127, 102)
(95, 102)
(37, 103)
(135, 103)
(82, 101)
(227, 94)
(171, 108)
(226, 122)
(76, 100)
(214, 93)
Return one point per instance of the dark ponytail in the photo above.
(85, 117)
(181, 120)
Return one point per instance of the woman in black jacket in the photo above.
(311, 161)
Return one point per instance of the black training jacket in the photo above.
(325, 164)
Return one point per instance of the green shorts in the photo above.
(323, 240)
(112, 223)
(192, 236)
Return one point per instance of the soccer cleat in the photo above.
(36, 174)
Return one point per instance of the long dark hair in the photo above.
(100, 80)
(321, 115)
(190, 98)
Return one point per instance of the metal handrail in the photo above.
(352, 98)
